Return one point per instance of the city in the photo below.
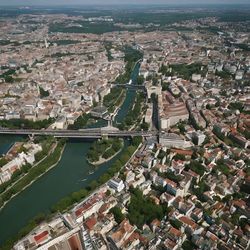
(124, 127)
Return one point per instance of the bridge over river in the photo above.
(84, 133)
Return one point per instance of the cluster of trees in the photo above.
(16, 175)
(33, 173)
(131, 57)
(165, 86)
(113, 99)
(108, 47)
(236, 106)
(104, 148)
(245, 133)
(222, 167)
(7, 76)
(188, 245)
(243, 46)
(140, 80)
(43, 92)
(164, 70)
(196, 166)
(183, 70)
(145, 126)
(161, 154)
(80, 122)
(223, 74)
(119, 216)
(170, 175)
(68, 201)
(154, 78)
(176, 223)
(200, 189)
(115, 147)
(193, 122)
(181, 127)
(87, 27)
(180, 157)
(25, 124)
(142, 209)
(46, 143)
(133, 115)
(224, 138)
(3, 161)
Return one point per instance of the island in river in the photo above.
(104, 150)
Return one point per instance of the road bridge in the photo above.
(84, 133)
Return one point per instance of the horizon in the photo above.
(65, 3)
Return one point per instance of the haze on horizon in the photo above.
(116, 2)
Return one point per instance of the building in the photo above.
(171, 111)
(173, 140)
(99, 112)
(116, 184)
(120, 234)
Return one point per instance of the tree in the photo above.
(140, 80)
(145, 126)
(143, 209)
(176, 223)
(43, 93)
(136, 140)
(188, 245)
(9, 79)
(116, 211)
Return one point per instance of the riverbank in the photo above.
(35, 173)
(114, 113)
(22, 175)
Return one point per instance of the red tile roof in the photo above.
(40, 237)
(182, 152)
(175, 232)
(189, 222)
(90, 223)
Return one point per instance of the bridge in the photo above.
(84, 133)
(129, 86)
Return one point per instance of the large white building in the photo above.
(171, 110)
(173, 140)
(116, 184)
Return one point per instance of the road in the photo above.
(84, 133)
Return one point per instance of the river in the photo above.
(7, 141)
(130, 97)
(71, 174)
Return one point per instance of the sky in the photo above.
(106, 2)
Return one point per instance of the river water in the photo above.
(71, 174)
(6, 143)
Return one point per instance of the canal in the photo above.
(71, 174)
